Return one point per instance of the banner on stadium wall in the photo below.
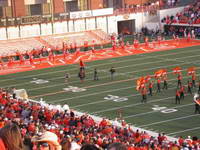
(102, 12)
(80, 14)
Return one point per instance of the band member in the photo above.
(144, 95)
(81, 75)
(136, 44)
(179, 80)
(188, 37)
(165, 83)
(177, 97)
(96, 74)
(189, 87)
(193, 80)
(159, 39)
(158, 85)
(150, 88)
(112, 71)
(86, 45)
(146, 40)
(114, 45)
(182, 92)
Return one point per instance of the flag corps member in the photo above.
(197, 103)
(177, 70)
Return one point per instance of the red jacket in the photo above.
(2, 146)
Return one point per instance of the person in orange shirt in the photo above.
(2, 123)
(165, 83)
(179, 80)
(193, 80)
(177, 97)
(150, 88)
(182, 92)
(158, 85)
(146, 41)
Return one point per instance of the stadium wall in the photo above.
(107, 23)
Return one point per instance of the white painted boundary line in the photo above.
(127, 60)
(181, 131)
(178, 118)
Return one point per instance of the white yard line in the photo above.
(174, 119)
(182, 131)
(150, 112)
(127, 60)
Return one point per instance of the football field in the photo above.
(106, 97)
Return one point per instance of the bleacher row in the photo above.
(190, 15)
(33, 118)
(10, 47)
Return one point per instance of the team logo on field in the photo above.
(115, 98)
(74, 89)
(164, 110)
(39, 81)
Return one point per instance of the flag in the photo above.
(160, 73)
(147, 78)
(81, 64)
(191, 70)
(197, 101)
(140, 83)
(177, 70)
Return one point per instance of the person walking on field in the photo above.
(165, 85)
(189, 87)
(179, 80)
(81, 75)
(112, 72)
(96, 74)
(177, 97)
(193, 80)
(151, 88)
(182, 92)
(158, 85)
(144, 95)
(67, 77)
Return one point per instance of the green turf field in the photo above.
(107, 97)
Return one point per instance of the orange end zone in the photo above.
(88, 56)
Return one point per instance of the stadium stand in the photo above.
(190, 15)
(34, 118)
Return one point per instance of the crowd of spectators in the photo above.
(150, 7)
(190, 15)
(39, 121)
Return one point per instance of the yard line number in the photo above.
(164, 110)
(115, 98)
(74, 89)
(39, 81)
